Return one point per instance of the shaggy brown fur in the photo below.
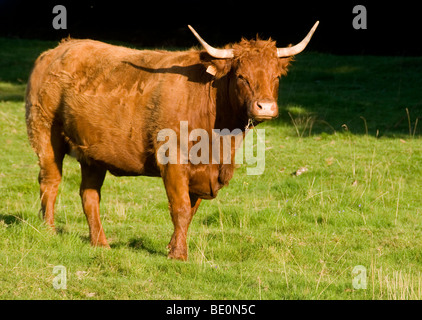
(106, 104)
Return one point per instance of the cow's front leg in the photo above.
(182, 207)
(178, 242)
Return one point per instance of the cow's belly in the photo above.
(119, 155)
(118, 164)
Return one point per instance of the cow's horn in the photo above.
(214, 52)
(291, 51)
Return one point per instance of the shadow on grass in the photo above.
(371, 95)
(143, 243)
(9, 219)
(12, 92)
(137, 244)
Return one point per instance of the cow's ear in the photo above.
(216, 67)
(283, 65)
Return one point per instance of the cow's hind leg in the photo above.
(90, 191)
(50, 157)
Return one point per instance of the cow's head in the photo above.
(254, 68)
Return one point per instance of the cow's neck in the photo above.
(228, 114)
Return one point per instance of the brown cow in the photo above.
(106, 105)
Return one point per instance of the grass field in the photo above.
(352, 121)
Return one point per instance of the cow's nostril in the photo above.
(264, 109)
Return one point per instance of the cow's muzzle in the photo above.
(263, 110)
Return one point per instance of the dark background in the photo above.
(393, 28)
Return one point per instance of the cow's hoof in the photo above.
(51, 228)
(101, 245)
(178, 254)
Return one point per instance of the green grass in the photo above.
(272, 236)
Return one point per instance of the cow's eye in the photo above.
(244, 80)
